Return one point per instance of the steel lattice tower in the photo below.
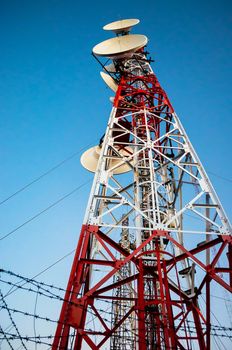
(123, 337)
(153, 223)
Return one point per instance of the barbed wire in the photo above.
(48, 319)
(5, 338)
(40, 339)
(58, 297)
(52, 286)
(12, 336)
(32, 280)
(12, 290)
(46, 290)
(37, 340)
(12, 321)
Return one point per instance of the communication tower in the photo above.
(155, 236)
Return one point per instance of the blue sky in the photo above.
(53, 103)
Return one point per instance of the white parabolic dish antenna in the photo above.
(120, 46)
(121, 26)
(109, 81)
(89, 160)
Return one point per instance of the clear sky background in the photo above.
(53, 103)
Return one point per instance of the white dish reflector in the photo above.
(89, 160)
(123, 25)
(120, 46)
(109, 81)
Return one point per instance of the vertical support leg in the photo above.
(141, 309)
(71, 314)
(171, 327)
(197, 321)
(208, 321)
(229, 255)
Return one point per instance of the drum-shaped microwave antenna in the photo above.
(110, 68)
(109, 81)
(124, 25)
(89, 160)
(121, 46)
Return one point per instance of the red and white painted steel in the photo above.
(176, 226)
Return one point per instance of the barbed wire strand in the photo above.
(12, 290)
(40, 286)
(13, 322)
(5, 338)
(35, 309)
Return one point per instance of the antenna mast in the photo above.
(153, 222)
